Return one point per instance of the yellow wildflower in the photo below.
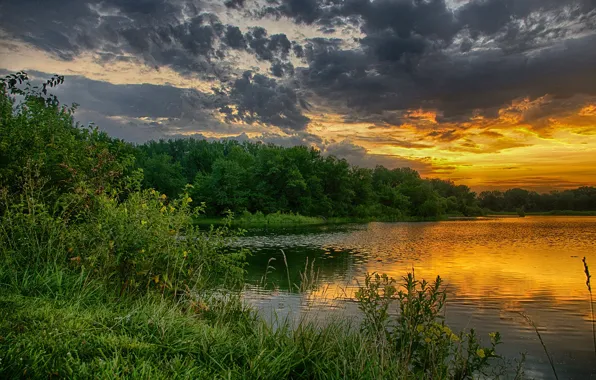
(163, 196)
(420, 328)
(172, 209)
(156, 279)
(447, 330)
(492, 335)
(189, 199)
(142, 250)
(480, 353)
(185, 254)
(454, 338)
(162, 209)
(70, 249)
(427, 340)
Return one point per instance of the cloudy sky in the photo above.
(489, 93)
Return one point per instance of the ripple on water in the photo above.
(494, 269)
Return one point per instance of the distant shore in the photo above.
(291, 220)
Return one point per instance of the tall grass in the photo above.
(550, 359)
(277, 219)
(589, 285)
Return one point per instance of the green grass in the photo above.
(57, 325)
(278, 219)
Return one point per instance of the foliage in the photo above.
(416, 335)
(566, 202)
(253, 177)
(39, 133)
(84, 211)
(275, 219)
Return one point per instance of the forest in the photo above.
(247, 176)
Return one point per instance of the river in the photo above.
(493, 269)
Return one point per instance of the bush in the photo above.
(146, 241)
(417, 336)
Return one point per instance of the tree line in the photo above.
(580, 199)
(237, 176)
(248, 176)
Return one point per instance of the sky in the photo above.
(493, 94)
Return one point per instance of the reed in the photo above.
(589, 285)
(550, 359)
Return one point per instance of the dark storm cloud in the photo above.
(359, 156)
(234, 37)
(162, 111)
(410, 54)
(392, 141)
(480, 56)
(176, 33)
(181, 34)
(261, 99)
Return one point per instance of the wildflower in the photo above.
(163, 196)
(70, 249)
(480, 353)
(172, 209)
(143, 222)
(162, 209)
(142, 250)
(420, 328)
(493, 336)
(454, 338)
(427, 340)
(189, 199)
(156, 279)
(185, 254)
(447, 330)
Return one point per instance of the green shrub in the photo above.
(416, 336)
(146, 241)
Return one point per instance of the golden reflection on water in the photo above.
(492, 269)
(506, 258)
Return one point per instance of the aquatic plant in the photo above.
(589, 285)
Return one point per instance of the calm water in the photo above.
(492, 268)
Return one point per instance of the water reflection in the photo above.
(493, 269)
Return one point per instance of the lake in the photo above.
(493, 269)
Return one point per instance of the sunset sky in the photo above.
(489, 93)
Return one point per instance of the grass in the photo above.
(589, 286)
(59, 326)
(280, 220)
(259, 219)
(550, 359)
